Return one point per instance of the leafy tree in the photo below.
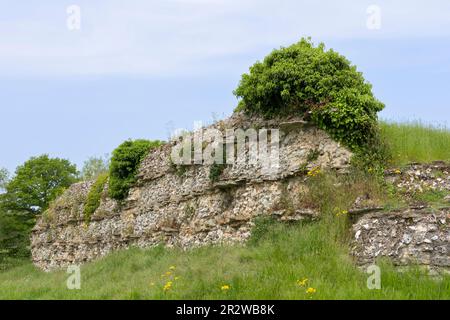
(321, 85)
(37, 182)
(14, 236)
(94, 167)
(125, 163)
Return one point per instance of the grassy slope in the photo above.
(415, 142)
(266, 268)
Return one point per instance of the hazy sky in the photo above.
(141, 68)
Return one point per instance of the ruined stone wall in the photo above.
(419, 236)
(184, 207)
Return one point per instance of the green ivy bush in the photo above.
(124, 165)
(94, 196)
(321, 85)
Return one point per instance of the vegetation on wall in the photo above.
(94, 196)
(124, 165)
(321, 85)
(215, 171)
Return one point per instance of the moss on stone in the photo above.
(94, 196)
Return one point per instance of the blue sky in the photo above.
(140, 69)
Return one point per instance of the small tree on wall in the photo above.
(322, 85)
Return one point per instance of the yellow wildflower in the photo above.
(225, 287)
(172, 268)
(167, 286)
(314, 171)
(311, 290)
(168, 273)
(397, 171)
(303, 282)
(341, 213)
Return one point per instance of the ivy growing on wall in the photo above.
(319, 84)
(124, 165)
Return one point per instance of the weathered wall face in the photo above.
(411, 236)
(187, 209)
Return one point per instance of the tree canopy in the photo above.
(321, 85)
(37, 182)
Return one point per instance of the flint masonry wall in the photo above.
(418, 234)
(186, 208)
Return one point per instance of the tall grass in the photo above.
(416, 142)
(268, 270)
(267, 267)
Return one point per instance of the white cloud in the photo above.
(175, 36)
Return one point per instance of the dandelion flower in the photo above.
(225, 287)
(311, 290)
(314, 171)
(167, 286)
(303, 282)
(341, 213)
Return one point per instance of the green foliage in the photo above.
(14, 237)
(261, 229)
(431, 197)
(215, 171)
(375, 156)
(124, 165)
(415, 142)
(94, 196)
(313, 155)
(94, 167)
(321, 85)
(37, 182)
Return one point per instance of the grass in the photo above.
(267, 267)
(296, 252)
(416, 142)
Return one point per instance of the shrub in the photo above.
(321, 85)
(94, 196)
(124, 165)
(215, 171)
(14, 237)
